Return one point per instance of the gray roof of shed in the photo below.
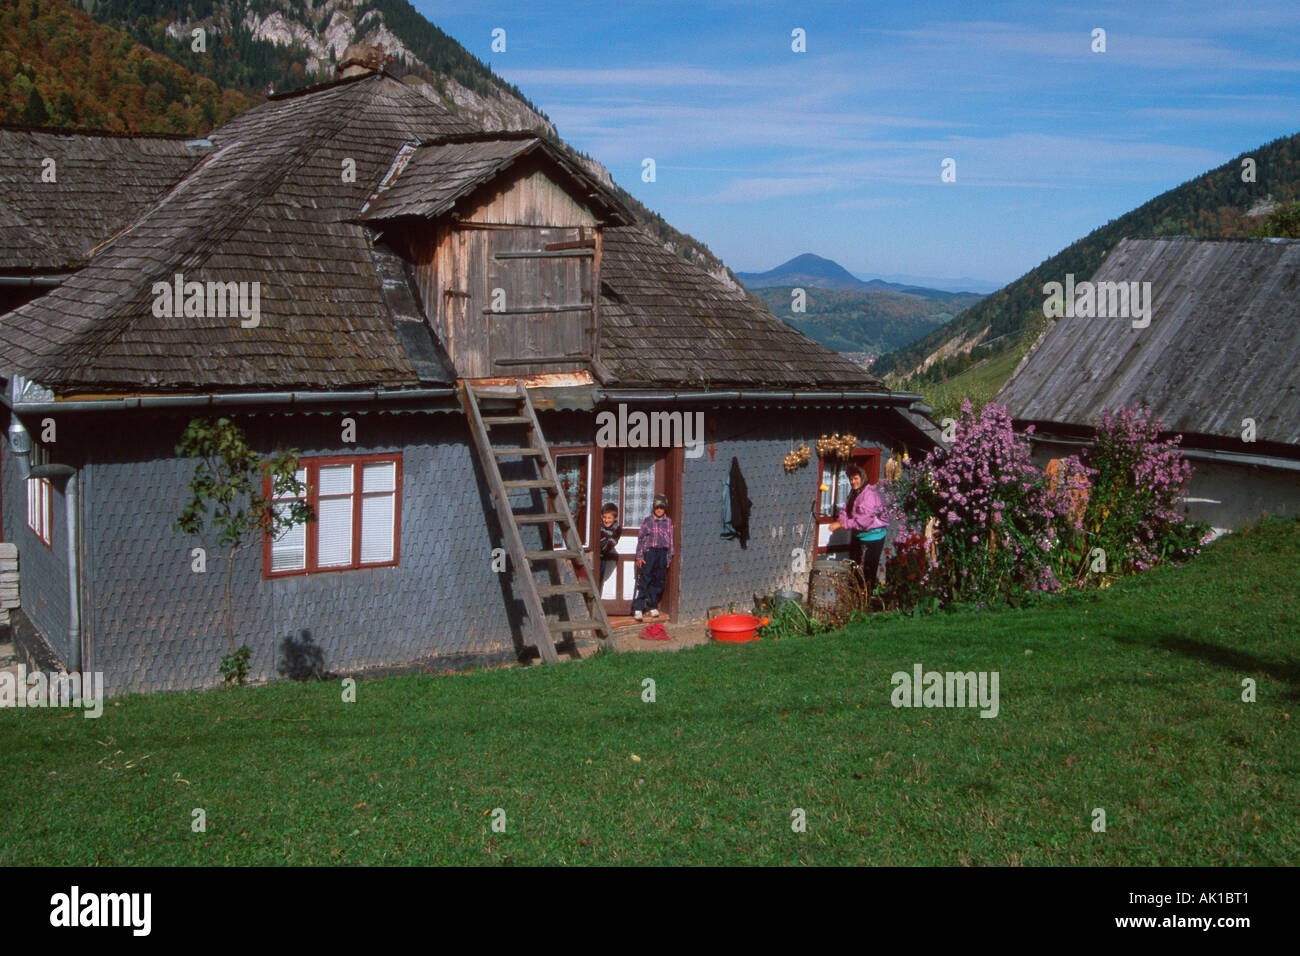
(1223, 343)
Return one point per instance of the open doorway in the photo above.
(630, 478)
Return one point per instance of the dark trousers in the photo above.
(650, 580)
(866, 556)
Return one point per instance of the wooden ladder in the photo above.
(540, 631)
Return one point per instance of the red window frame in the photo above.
(866, 457)
(44, 499)
(313, 466)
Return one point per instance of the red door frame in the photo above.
(669, 463)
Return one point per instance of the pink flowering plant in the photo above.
(978, 523)
(1137, 482)
(994, 519)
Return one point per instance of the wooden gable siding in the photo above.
(530, 198)
(460, 264)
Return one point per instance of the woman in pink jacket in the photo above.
(863, 517)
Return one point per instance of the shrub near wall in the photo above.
(991, 516)
(1131, 520)
(979, 523)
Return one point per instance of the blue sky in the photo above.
(763, 153)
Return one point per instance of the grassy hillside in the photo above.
(872, 321)
(1127, 699)
(1213, 204)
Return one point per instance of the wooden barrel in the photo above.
(825, 572)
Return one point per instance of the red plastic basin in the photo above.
(734, 628)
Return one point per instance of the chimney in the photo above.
(359, 59)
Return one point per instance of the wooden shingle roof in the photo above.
(284, 198)
(430, 181)
(665, 322)
(61, 194)
(1223, 344)
(274, 203)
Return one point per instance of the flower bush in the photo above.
(906, 571)
(1137, 481)
(996, 528)
(992, 516)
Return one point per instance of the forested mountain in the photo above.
(1217, 203)
(804, 270)
(286, 44)
(58, 67)
(869, 320)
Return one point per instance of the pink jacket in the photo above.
(868, 511)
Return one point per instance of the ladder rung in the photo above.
(550, 590)
(506, 420)
(550, 516)
(518, 452)
(557, 555)
(530, 483)
(565, 627)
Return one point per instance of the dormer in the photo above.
(505, 234)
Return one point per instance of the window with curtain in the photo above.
(357, 502)
(836, 479)
(632, 473)
(40, 498)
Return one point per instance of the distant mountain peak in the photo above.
(806, 269)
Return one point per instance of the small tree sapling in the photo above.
(226, 494)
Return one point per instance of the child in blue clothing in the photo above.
(654, 552)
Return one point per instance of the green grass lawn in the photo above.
(1127, 700)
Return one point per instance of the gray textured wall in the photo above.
(155, 624)
(1236, 495)
(715, 570)
(43, 576)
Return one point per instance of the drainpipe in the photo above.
(21, 443)
(34, 282)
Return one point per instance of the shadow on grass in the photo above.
(1286, 671)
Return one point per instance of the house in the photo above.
(353, 272)
(1217, 359)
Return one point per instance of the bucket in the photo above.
(734, 628)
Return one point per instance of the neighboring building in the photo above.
(1219, 364)
(399, 254)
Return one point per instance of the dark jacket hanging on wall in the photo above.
(735, 506)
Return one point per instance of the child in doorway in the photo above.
(609, 534)
(654, 552)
